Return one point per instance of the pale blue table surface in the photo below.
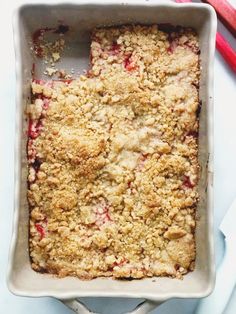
(225, 183)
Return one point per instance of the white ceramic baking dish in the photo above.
(82, 16)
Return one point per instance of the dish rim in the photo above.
(18, 137)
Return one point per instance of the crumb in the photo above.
(50, 71)
(55, 56)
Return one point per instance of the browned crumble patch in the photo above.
(113, 163)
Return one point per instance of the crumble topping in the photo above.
(112, 159)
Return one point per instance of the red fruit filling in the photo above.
(129, 64)
(173, 45)
(45, 103)
(40, 230)
(193, 134)
(102, 216)
(40, 82)
(34, 128)
(115, 48)
(36, 164)
(122, 262)
(187, 183)
(141, 161)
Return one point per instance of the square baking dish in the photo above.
(82, 17)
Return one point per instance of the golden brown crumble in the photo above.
(112, 156)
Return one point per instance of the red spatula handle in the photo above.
(226, 51)
(226, 13)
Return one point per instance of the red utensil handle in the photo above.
(226, 13)
(226, 51)
(222, 45)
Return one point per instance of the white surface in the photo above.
(225, 170)
(226, 273)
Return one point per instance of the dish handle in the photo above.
(80, 308)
